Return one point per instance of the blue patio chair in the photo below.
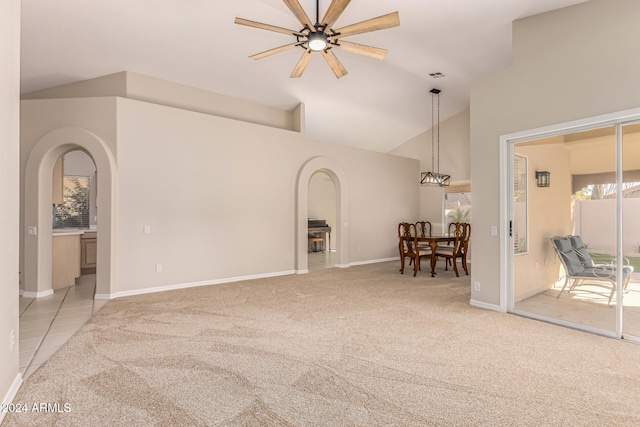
(580, 268)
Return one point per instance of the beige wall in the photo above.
(570, 64)
(455, 160)
(9, 196)
(595, 222)
(219, 197)
(549, 214)
(219, 194)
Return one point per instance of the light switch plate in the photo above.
(494, 230)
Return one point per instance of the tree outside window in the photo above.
(74, 211)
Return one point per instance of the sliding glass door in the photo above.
(584, 184)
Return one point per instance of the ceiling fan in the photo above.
(321, 37)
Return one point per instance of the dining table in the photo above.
(433, 241)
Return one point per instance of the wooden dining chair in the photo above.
(401, 227)
(410, 248)
(451, 229)
(452, 252)
(465, 245)
(424, 230)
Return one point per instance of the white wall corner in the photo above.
(298, 116)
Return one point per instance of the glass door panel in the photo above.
(631, 228)
(577, 200)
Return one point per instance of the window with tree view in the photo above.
(74, 211)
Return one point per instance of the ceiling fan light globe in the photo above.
(317, 42)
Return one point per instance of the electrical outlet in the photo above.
(288, 256)
(12, 339)
(476, 286)
(146, 229)
(158, 268)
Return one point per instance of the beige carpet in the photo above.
(362, 346)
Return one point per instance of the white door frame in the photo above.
(507, 143)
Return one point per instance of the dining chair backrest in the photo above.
(451, 230)
(423, 228)
(466, 235)
(456, 229)
(409, 238)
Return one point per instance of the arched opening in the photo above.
(340, 235)
(37, 210)
(75, 222)
(322, 222)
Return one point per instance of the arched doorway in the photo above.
(37, 243)
(322, 216)
(332, 169)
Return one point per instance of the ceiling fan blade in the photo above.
(262, 26)
(299, 13)
(274, 51)
(335, 65)
(380, 23)
(302, 64)
(333, 13)
(361, 49)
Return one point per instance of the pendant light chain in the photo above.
(433, 134)
(438, 136)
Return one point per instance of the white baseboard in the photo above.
(375, 261)
(41, 294)
(305, 271)
(190, 285)
(486, 306)
(11, 393)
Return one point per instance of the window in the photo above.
(519, 228)
(457, 202)
(74, 211)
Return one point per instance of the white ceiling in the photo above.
(378, 105)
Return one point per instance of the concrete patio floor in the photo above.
(588, 305)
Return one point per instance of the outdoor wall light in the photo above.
(543, 179)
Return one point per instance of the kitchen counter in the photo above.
(65, 232)
(72, 231)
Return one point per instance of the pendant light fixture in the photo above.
(435, 177)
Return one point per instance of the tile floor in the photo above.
(47, 323)
(319, 260)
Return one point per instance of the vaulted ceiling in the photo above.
(377, 105)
